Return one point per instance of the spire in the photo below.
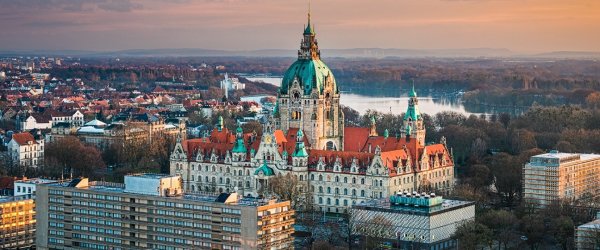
(300, 150)
(413, 93)
(220, 124)
(308, 47)
(239, 146)
(308, 30)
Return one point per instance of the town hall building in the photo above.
(336, 166)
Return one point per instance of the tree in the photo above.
(479, 176)
(472, 235)
(288, 187)
(502, 223)
(562, 228)
(507, 176)
(533, 228)
(70, 156)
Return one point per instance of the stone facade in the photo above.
(338, 166)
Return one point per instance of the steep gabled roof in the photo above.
(355, 138)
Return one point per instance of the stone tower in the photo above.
(413, 126)
(309, 98)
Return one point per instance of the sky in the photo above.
(527, 26)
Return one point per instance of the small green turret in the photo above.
(386, 133)
(220, 124)
(239, 146)
(300, 150)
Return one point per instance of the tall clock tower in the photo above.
(309, 98)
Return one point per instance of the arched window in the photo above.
(353, 180)
(220, 180)
(320, 200)
(320, 189)
(353, 192)
(381, 183)
(227, 181)
(301, 177)
(345, 191)
(362, 181)
(345, 179)
(329, 190)
(337, 179)
(337, 190)
(247, 184)
(362, 193)
(345, 202)
(214, 180)
(240, 172)
(337, 202)
(320, 178)
(328, 201)
(312, 177)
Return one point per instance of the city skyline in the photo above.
(104, 25)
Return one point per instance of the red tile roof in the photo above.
(23, 138)
(355, 138)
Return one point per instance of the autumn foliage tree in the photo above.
(70, 156)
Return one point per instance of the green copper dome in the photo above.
(311, 74)
(265, 169)
(309, 70)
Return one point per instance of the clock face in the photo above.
(267, 138)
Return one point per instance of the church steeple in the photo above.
(300, 150)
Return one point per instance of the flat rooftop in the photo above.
(36, 181)
(151, 176)
(595, 224)
(385, 206)
(119, 188)
(6, 199)
(555, 158)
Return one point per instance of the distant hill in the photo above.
(344, 53)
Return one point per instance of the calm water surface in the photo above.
(395, 100)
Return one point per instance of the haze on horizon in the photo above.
(526, 26)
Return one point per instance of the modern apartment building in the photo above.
(17, 222)
(560, 176)
(410, 221)
(150, 211)
(587, 236)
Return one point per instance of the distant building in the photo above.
(560, 176)
(17, 222)
(587, 236)
(232, 83)
(411, 220)
(27, 186)
(151, 211)
(26, 150)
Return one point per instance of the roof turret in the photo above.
(300, 150)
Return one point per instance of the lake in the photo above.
(395, 100)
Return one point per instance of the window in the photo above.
(320, 200)
(362, 193)
(345, 179)
(353, 192)
(345, 191)
(320, 189)
(329, 190)
(362, 181)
